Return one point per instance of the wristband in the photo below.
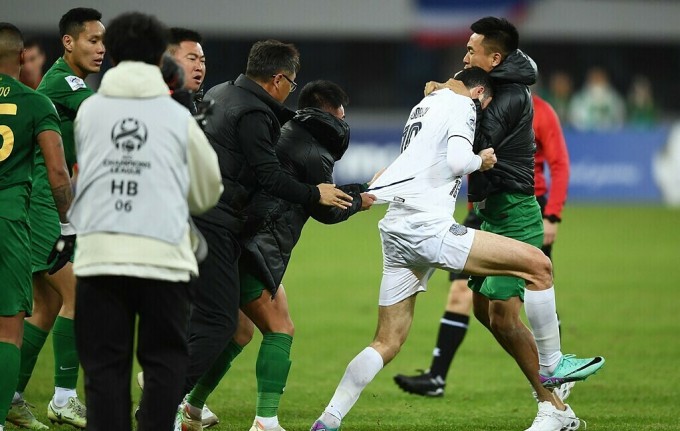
(552, 218)
(67, 229)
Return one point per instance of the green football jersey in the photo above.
(67, 91)
(24, 114)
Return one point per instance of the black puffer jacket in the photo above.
(309, 146)
(506, 127)
(243, 131)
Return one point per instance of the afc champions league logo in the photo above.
(129, 134)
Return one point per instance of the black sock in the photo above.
(452, 329)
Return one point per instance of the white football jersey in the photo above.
(420, 179)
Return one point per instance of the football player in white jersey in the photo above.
(419, 233)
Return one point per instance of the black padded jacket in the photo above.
(506, 126)
(309, 146)
(243, 129)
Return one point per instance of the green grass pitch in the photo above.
(617, 272)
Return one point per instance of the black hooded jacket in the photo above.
(243, 130)
(309, 146)
(506, 127)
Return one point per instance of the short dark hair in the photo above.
(33, 43)
(269, 57)
(323, 95)
(11, 40)
(73, 21)
(179, 34)
(476, 76)
(500, 35)
(136, 36)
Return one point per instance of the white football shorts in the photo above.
(408, 262)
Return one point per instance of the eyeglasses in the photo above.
(293, 84)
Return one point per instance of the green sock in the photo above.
(271, 369)
(209, 381)
(10, 358)
(34, 340)
(65, 354)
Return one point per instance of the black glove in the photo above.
(63, 248)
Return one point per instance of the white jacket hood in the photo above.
(133, 79)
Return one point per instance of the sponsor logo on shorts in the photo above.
(458, 229)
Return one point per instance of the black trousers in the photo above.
(214, 311)
(106, 308)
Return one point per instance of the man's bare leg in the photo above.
(497, 255)
(518, 341)
(394, 323)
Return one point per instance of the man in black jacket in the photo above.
(243, 129)
(308, 148)
(186, 50)
(504, 199)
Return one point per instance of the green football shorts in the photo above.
(44, 220)
(516, 216)
(16, 288)
(251, 288)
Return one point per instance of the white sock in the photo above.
(359, 373)
(18, 397)
(61, 396)
(268, 422)
(542, 315)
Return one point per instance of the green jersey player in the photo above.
(26, 119)
(54, 282)
(64, 85)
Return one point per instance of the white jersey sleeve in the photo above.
(421, 177)
(460, 157)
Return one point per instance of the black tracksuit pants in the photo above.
(106, 310)
(214, 311)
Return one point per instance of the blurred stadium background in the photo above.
(618, 250)
(383, 51)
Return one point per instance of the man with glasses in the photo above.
(308, 148)
(243, 129)
(293, 84)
